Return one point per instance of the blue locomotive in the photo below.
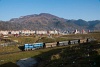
(33, 46)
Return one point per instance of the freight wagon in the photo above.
(48, 45)
(83, 40)
(90, 39)
(63, 43)
(74, 41)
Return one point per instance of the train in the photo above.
(35, 46)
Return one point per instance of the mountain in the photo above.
(45, 21)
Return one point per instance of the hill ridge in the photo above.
(46, 21)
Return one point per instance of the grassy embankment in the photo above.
(51, 54)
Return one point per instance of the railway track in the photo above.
(10, 52)
(49, 45)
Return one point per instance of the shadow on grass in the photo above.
(9, 64)
(83, 55)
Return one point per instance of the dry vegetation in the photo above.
(50, 56)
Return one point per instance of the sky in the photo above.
(68, 9)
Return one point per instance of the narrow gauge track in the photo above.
(10, 52)
(5, 53)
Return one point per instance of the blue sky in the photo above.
(68, 9)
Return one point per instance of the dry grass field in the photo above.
(60, 56)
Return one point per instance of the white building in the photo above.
(14, 32)
(4, 32)
(84, 32)
(53, 32)
(41, 32)
(76, 32)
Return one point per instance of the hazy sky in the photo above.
(68, 9)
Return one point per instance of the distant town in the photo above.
(41, 32)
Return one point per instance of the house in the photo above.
(4, 32)
(41, 32)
